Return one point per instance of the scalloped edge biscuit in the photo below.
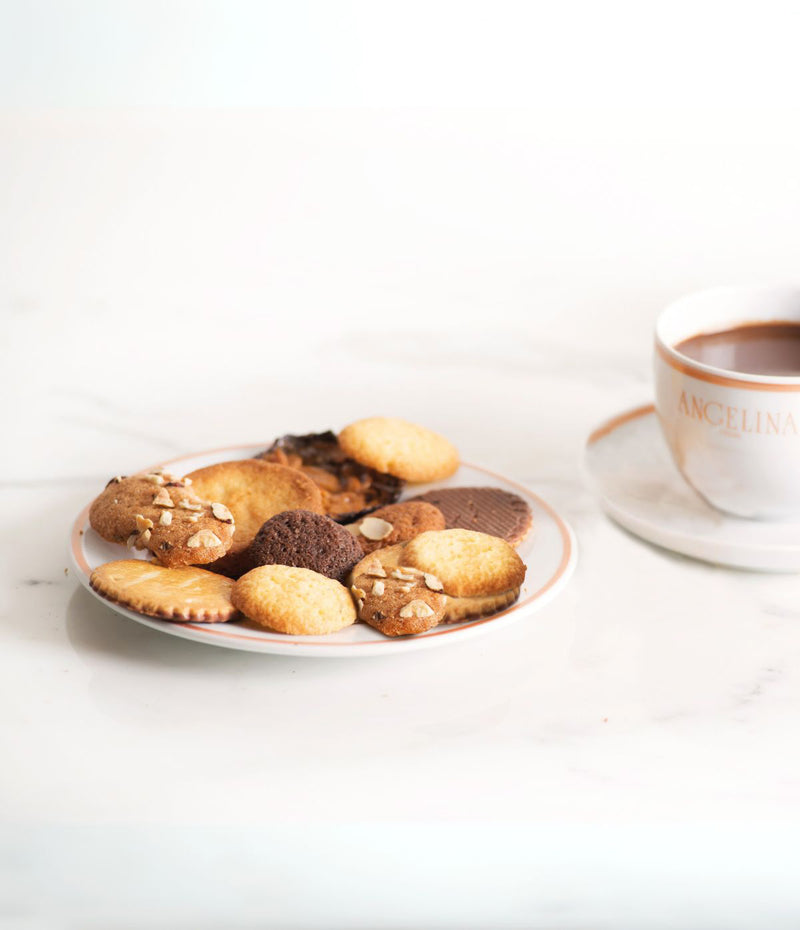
(400, 448)
(467, 562)
(295, 601)
(183, 594)
(254, 491)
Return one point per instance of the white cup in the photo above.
(734, 436)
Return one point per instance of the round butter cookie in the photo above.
(400, 448)
(305, 540)
(159, 512)
(168, 593)
(254, 491)
(292, 600)
(468, 563)
(396, 523)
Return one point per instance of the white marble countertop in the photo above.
(627, 758)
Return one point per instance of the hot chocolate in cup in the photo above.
(734, 433)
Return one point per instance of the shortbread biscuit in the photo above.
(294, 600)
(168, 593)
(305, 540)
(400, 448)
(398, 601)
(349, 489)
(485, 510)
(396, 523)
(160, 512)
(255, 491)
(456, 609)
(468, 563)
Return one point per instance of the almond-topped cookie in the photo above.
(489, 568)
(160, 512)
(396, 523)
(397, 600)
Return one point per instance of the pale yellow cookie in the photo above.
(468, 563)
(400, 448)
(292, 600)
(254, 491)
(169, 593)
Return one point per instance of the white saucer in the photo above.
(549, 551)
(629, 466)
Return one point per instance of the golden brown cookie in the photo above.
(456, 608)
(169, 593)
(160, 512)
(396, 523)
(468, 563)
(397, 601)
(255, 491)
(293, 600)
(485, 510)
(400, 448)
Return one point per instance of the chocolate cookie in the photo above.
(159, 512)
(484, 510)
(305, 540)
(396, 523)
(348, 488)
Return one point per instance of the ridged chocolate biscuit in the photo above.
(484, 510)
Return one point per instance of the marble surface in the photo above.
(171, 282)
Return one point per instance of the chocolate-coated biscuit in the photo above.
(485, 510)
(160, 512)
(305, 540)
(349, 489)
(396, 523)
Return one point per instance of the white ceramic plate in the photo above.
(549, 551)
(628, 464)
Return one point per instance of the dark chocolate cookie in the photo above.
(305, 540)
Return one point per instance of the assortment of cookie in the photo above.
(314, 534)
